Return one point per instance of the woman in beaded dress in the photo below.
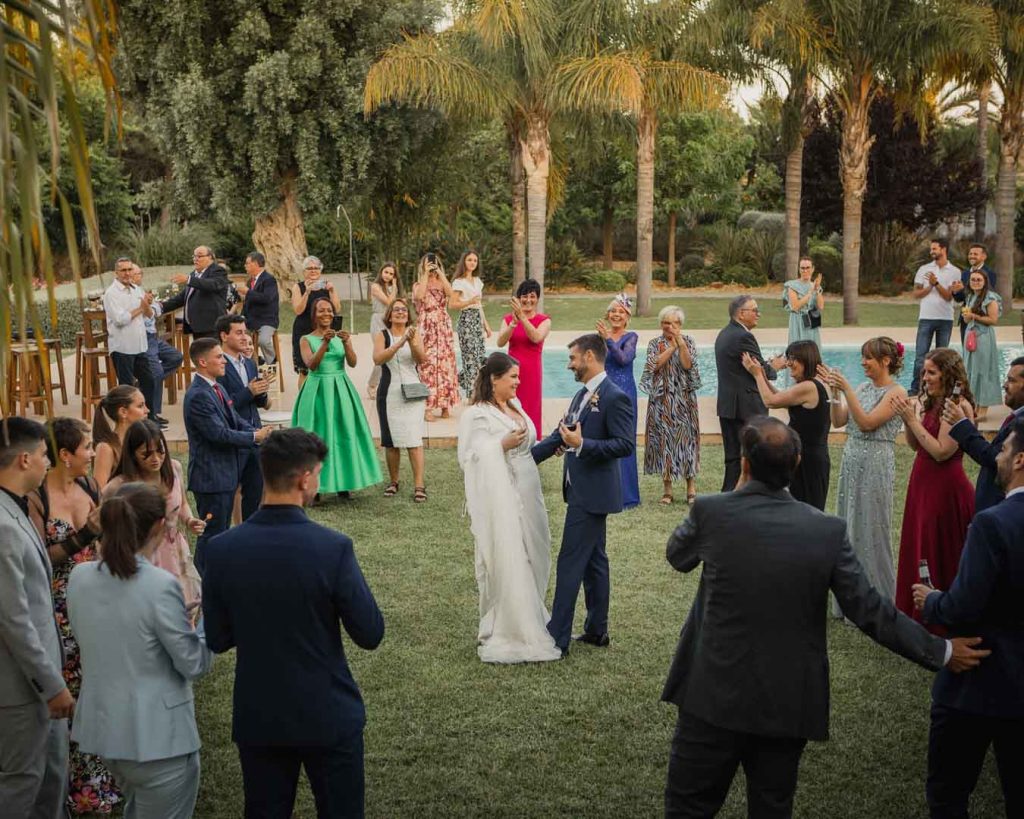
(619, 366)
(868, 470)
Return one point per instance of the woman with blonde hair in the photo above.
(621, 341)
(430, 295)
(383, 291)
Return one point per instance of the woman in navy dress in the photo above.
(619, 366)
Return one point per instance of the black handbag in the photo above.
(812, 318)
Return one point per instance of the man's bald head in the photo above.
(772, 449)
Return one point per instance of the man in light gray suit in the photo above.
(34, 701)
(750, 675)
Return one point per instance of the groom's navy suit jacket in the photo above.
(591, 478)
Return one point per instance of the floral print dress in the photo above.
(673, 426)
(438, 369)
(91, 787)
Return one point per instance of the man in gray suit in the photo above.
(34, 701)
(750, 675)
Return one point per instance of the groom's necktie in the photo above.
(574, 408)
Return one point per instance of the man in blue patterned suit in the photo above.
(218, 442)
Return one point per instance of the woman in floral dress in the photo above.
(438, 370)
(473, 329)
(65, 511)
(671, 379)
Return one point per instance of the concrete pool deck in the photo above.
(442, 433)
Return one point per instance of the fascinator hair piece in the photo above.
(623, 301)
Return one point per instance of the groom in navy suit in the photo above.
(598, 429)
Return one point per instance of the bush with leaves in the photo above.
(890, 255)
(168, 245)
(566, 264)
(605, 281)
(828, 261)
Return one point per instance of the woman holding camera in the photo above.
(430, 295)
(306, 294)
(329, 405)
(398, 349)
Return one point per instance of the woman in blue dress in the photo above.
(619, 366)
(800, 296)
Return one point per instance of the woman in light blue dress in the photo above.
(868, 471)
(799, 297)
(981, 312)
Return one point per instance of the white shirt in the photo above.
(239, 366)
(1013, 492)
(125, 334)
(933, 306)
(468, 290)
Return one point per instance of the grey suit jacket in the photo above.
(753, 655)
(139, 655)
(31, 653)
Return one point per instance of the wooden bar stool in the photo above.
(183, 341)
(167, 335)
(54, 345)
(28, 379)
(277, 353)
(96, 361)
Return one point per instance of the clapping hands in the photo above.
(834, 378)
(602, 329)
(904, 408)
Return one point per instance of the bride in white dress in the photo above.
(508, 519)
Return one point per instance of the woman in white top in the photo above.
(508, 519)
(139, 656)
(472, 327)
(383, 291)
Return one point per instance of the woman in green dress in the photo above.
(800, 296)
(329, 405)
(981, 312)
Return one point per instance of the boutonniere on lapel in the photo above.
(594, 399)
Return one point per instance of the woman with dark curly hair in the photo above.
(524, 331)
(940, 498)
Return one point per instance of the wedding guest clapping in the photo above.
(807, 402)
(940, 498)
(146, 459)
(671, 378)
(868, 470)
(472, 327)
(430, 294)
(614, 329)
(139, 656)
(980, 315)
(118, 410)
(508, 519)
(304, 296)
(804, 299)
(383, 291)
(398, 349)
(524, 331)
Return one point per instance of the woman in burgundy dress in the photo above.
(524, 330)
(940, 498)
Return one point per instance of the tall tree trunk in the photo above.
(607, 233)
(1011, 138)
(673, 217)
(536, 155)
(853, 167)
(794, 192)
(517, 181)
(981, 212)
(646, 132)
(280, 235)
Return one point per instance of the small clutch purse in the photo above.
(415, 391)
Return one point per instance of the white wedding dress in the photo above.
(513, 543)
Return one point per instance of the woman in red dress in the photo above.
(430, 295)
(940, 498)
(524, 330)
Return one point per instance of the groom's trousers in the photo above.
(581, 560)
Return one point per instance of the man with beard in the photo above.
(933, 286)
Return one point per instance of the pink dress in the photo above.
(438, 369)
(531, 368)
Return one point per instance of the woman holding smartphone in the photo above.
(329, 405)
(430, 296)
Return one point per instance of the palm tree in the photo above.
(865, 46)
(638, 69)
(495, 61)
(44, 44)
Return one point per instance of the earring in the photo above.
(67, 463)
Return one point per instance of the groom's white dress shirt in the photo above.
(590, 387)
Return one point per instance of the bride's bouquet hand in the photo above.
(514, 438)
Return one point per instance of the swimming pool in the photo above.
(560, 383)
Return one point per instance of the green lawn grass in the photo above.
(448, 736)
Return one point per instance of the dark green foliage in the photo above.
(566, 264)
(605, 281)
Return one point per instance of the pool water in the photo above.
(560, 383)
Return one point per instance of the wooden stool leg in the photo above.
(59, 351)
(90, 385)
(277, 358)
(23, 379)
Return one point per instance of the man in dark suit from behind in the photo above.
(987, 491)
(204, 296)
(986, 707)
(750, 675)
(219, 441)
(738, 397)
(262, 303)
(275, 589)
(248, 393)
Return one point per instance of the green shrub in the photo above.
(764, 247)
(739, 274)
(605, 281)
(692, 261)
(828, 261)
(1018, 284)
(695, 278)
(769, 221)
(169, 245)
(659, 273)
(69, 322)
(566, 264)
(728, 246)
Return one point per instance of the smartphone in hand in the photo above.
(336, 323)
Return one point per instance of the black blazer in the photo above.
(208, 301)
(753, 654)
(609, 433)
(246, 404)
(738, 397)
(262, 305)
(275, 589)
(987, 600)
(987, 491)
